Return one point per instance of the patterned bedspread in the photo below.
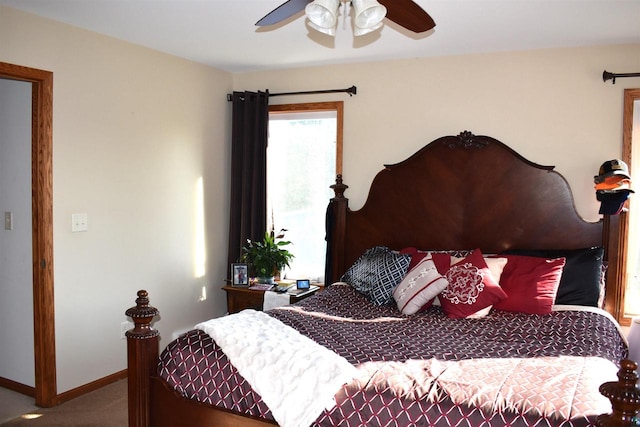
(425, 351)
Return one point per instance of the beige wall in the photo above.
(133, 131)
(550, 105)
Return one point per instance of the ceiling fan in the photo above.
(368, 14)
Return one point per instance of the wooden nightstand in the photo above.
(240, 298)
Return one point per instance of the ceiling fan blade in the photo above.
(282, 12)
(409, 15)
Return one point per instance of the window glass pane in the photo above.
(301, 166)
(632, 292)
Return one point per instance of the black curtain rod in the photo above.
(350, 90)
(613, 76)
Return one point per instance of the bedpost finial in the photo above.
(339, 188)
(624, 395)
(627, 373)
(142, 315)
(143, 299)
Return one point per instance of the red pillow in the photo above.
(471, 287)
(440, 259)
(531, 283)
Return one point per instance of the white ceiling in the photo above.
(222, 33)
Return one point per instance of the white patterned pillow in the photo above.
(419, 287)
(376, 273)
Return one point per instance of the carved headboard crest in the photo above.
(465, 140)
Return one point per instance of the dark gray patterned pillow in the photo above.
(377, 272)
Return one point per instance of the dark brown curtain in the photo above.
(248, 211)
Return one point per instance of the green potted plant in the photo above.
(268, 257)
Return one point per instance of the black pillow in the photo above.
(377, 272)
(581, 276)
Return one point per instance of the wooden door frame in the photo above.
(630, 97)
(42, 212)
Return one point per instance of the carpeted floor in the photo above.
(105, 407)
(14, 404)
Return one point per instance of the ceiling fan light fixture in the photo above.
(368, 14)
(323, 14)
(330, 31)
(357, 31)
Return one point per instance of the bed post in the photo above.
(336, 229)
(613, 227)
(624, 395)
(142, 359)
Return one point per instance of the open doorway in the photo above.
(42, 227)
(16, 251)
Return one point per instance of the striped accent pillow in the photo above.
(419, 287)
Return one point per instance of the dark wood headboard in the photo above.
(459, 192)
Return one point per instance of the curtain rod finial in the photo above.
(613, 76)
(608, 76)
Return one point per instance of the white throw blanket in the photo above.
(296, 377)
(564, 387)
(273, 300)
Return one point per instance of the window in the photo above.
(631, 155)
(304, 155)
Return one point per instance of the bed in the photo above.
(372, 350)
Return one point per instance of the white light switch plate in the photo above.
(79, 222)
(8, 220)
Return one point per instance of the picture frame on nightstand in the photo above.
(239, 274)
